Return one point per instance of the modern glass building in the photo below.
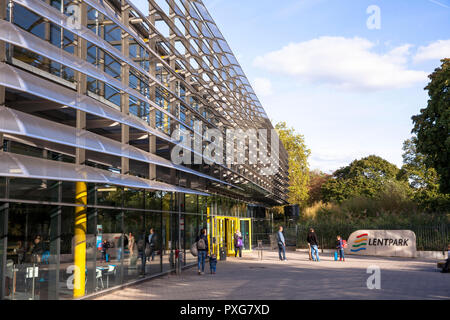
(90, 94)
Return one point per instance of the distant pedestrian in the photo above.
(238, 244)
(213, 263)
(314, 244)
(202, 248)
(281, 244)
(340, 248)
(446, 268)
(37, 250)
(151, 245)
(105, 247)
(131, 241)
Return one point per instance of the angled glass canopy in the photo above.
(15, 78)
(20, 123)
(20, 166)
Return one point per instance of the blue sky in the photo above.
(350, 90)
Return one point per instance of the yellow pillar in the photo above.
(209, 233)
(80, 240)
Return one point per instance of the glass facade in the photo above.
(40, 250)
(89, 196)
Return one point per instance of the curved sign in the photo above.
(389, 243)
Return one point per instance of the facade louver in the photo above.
(91, 93)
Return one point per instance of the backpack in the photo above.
(201, 244)
(194, 251)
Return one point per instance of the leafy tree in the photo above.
(316, 179)
(432, 125)
(414, 170)
(366, 177)
(423, 180)
(298, 163)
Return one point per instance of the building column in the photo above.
(152, 88)
(125, 75)
(4, 207)
(4, 210)
(3, 5)
(80, 187)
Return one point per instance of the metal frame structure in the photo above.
(103, 86)
(187, 74)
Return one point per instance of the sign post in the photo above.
(260, 250)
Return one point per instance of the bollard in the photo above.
(260, 250)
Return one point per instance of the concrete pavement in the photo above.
(297, 279)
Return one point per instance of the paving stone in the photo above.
(297, 279)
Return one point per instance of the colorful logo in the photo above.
(361, 241)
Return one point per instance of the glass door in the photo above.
(231, 230)
(246, 231)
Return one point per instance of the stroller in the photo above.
(213, 263)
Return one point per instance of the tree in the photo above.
(432, 125)
(423, 180)
(298, 163)
(316, 179)
(366, 177)
(414, 170)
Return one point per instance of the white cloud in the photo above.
(329, 161)
(262, 86)
(436, 50)
(348, 63)
(440, 4)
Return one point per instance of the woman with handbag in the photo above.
(238, 244)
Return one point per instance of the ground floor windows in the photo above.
(65, 240)
(41, 257)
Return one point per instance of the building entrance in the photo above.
(222, 232)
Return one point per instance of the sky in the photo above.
(347, 81)
(346, 74)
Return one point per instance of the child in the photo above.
(212, 263)
(446, 268)
(340, 248)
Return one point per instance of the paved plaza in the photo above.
(297, 278)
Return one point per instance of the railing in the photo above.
(429, 237)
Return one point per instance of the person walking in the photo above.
(314, 243)
(340, 248)
(37, 250)
(238, 244)
(152, 244)
(105, 247)
(281, 244)
(202, 248)
(131, 244)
